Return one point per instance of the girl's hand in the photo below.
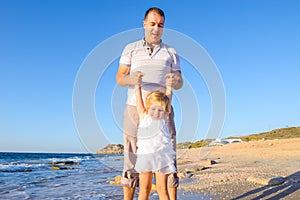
(171, 80)
(136, 78)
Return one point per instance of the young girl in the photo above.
(154, 153)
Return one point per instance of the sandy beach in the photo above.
(265, 169)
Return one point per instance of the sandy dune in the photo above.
(249, 170)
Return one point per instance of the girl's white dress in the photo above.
(154, 147)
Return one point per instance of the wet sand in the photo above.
(248, 170)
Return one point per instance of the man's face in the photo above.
(153, 26)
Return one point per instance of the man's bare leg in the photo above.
(128, 193)
(172, 193)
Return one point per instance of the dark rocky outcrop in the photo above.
(70, 163)
(63, 165)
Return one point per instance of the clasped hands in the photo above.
(137, 79)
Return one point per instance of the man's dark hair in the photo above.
(154, 9)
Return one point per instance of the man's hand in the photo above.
(174, 80)
(136, 78)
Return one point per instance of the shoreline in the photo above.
(245, 170)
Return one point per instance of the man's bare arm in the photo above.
(124, 78)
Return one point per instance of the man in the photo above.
(160, 65)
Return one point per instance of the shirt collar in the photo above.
(146, 44)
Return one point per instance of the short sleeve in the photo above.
(176, 61)
(126, 56)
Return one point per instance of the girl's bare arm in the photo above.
(139, 101)
(169, 94)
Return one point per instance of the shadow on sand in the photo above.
(291, 185)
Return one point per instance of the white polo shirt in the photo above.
(155, 66)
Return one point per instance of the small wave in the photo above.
(75, 159)
(20, 167)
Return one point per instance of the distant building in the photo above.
(220, 142)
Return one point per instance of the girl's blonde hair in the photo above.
(159, 98)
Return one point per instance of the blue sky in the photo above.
(43, 44)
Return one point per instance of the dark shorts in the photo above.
(130, 177)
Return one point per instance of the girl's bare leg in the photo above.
(161, 186)
(145, 185)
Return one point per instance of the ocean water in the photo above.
(64, 176)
